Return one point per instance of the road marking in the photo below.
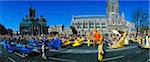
(87, 51)
(108, 59)
(140, 51)
(68, 50)
(63, 60)
(93, 50)
(19, 55)
(11, 59)
(119, 49)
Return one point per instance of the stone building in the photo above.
(59, 30)
(55, 28)
(31, 25)
(104, 23)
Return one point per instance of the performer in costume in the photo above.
(89, 39)
(120, 42)
(132, 39)
(126, 41)
(139, 40)
(97, 36)
(77, 42)
(100, 49)
(66, 42)
(94, 35)
(55, 43)
(146, 42)
(43, 51)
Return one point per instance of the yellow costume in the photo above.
(139, 40)
(77, 43)
(120, 42)
(94, 36)
(143, 42)
(100, 49)
(126, 42)
(100, 52)
(67, 42)
(132, 39)
(63, 40)
(89, 39)
(88, 42)
(49, 38)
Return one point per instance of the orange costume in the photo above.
(96, 36)
(94, 33)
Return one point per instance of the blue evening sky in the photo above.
(60, 12)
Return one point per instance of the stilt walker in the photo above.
(94, 35)
(100, 49)
(43, 51)
(89, 39)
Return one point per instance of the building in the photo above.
(55, 28)
(59, 29)
(104, 23)
(30, 25)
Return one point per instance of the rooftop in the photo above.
(89, 16)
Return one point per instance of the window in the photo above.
(103, 23)
(78, 27)
(78, 23)
(74, 17)
(84, 26)
(113, 8)
(103, 27)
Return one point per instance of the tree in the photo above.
(3, 30)
(10, 31)
(140, 18)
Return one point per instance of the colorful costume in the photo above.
(94, 35)
(100, 52)
(126, 41)
(89, 39)
(146, 43)
(67, 42)
(77, 42)
(132, 39)
(88, 42)
(55, 43)
(120, 42)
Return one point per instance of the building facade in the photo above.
(103, 23)
(30, 25)
(59, 29)
(55, 28)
